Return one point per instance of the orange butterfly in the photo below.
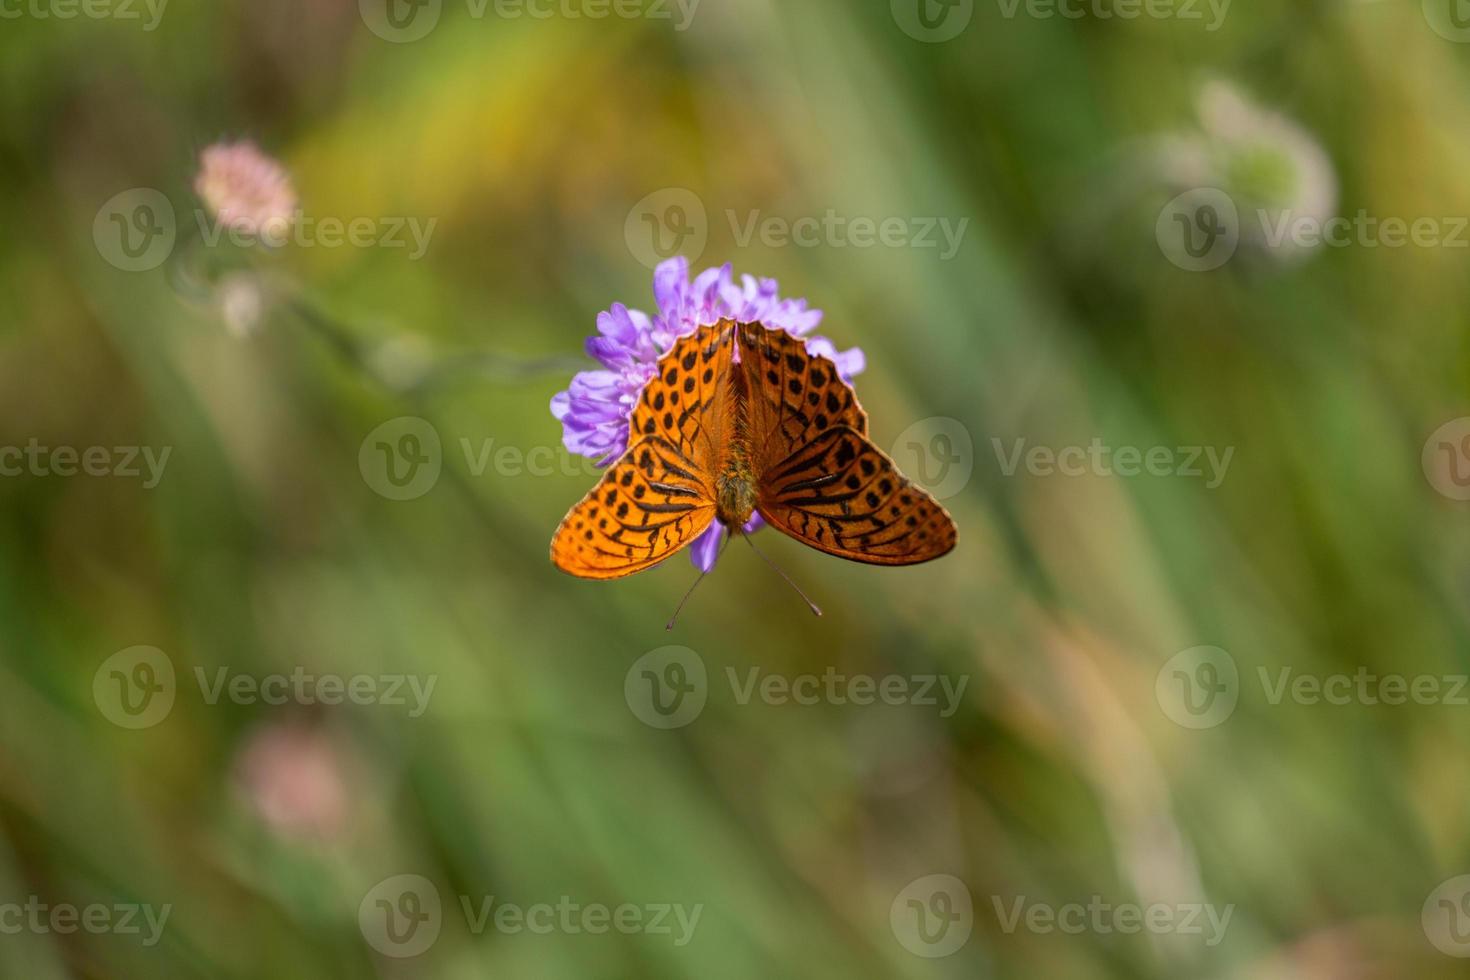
(775, 432)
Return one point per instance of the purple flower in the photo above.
(595, 409)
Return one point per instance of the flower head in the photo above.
(246, 190)
(298, 777)
(594, 411)
(1267, 163)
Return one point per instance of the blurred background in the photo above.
(289, 687)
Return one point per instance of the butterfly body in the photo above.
(735, 487)
(736, 500)
(739, 420)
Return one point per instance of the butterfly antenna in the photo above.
(680, 608)
(812, 605)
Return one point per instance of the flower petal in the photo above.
(670, 283)
(706, 548)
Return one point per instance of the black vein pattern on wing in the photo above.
(625, 517)
(681, 403)
(803, 394)
(873, 506)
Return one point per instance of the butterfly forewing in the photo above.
(819, 479)
(660, 495)
(793, 396)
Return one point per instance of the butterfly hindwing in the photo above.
(842, 495)
(646, 507)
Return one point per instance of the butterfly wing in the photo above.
(841, 494)
(660, 495)
(793, 396)
(646, 507)
(819, 478)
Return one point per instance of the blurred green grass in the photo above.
(1059, 778)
